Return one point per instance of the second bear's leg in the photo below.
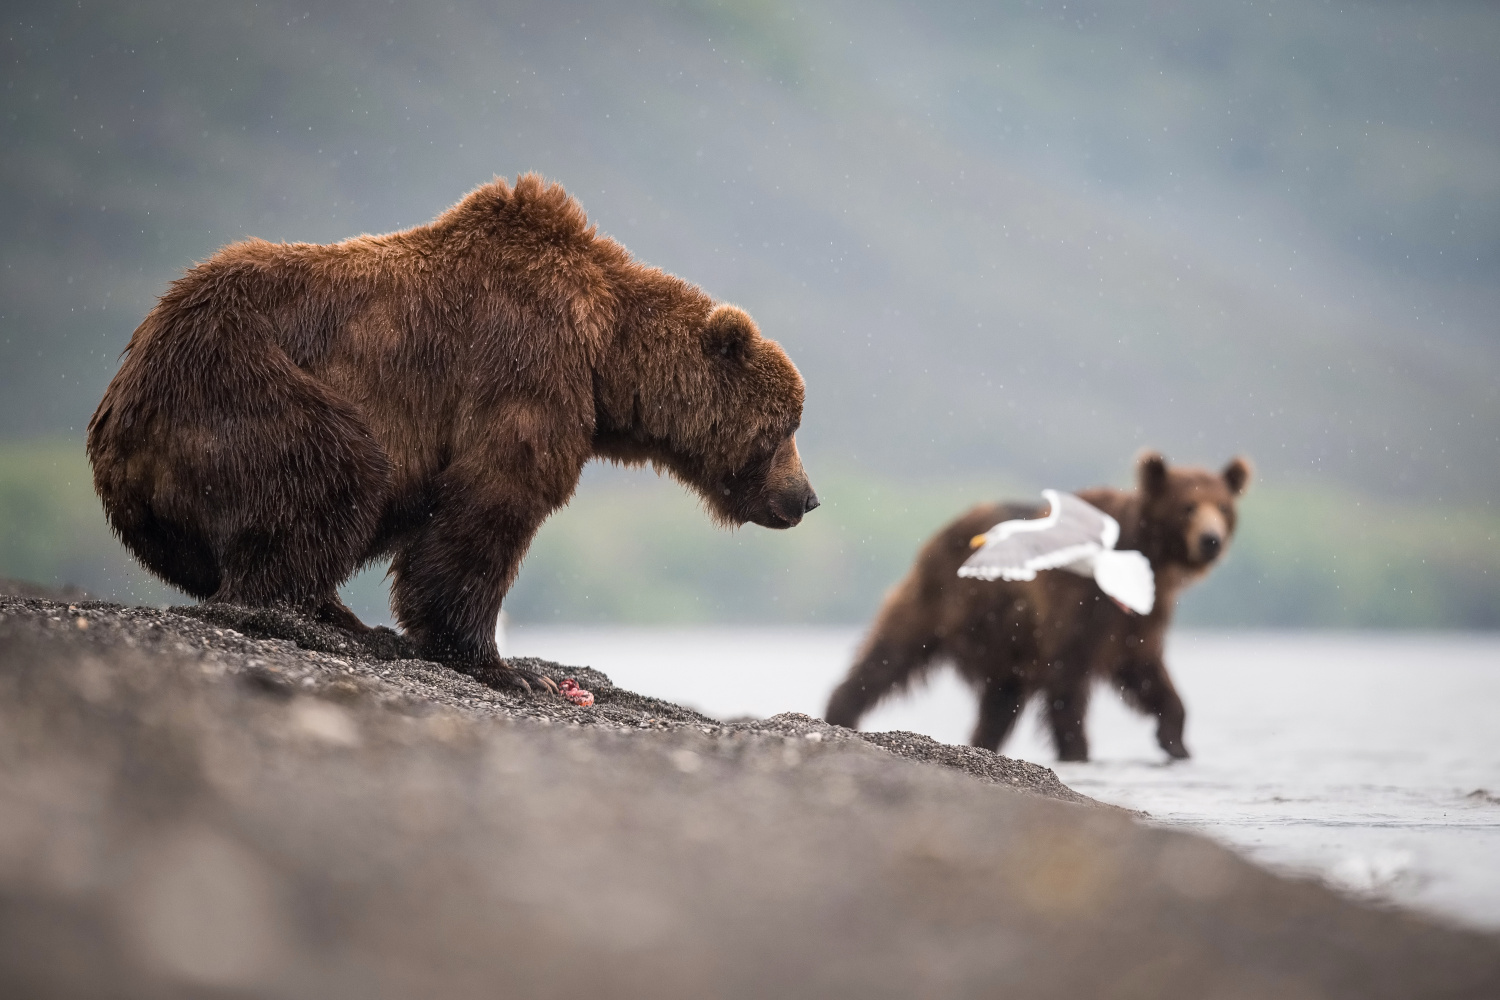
(451, 574)
(1000, 705)
(887, 664)
(1067, 706)
(900, 646)
(1144, 683)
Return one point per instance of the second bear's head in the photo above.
(716, 405)
(1188, 514)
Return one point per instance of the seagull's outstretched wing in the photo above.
(1126, 575)
(1073, 531)
(1075, 536)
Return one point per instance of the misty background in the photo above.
(1007, 245)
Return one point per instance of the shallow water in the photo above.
(1369, 760)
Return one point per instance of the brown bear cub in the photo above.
(1053, 635)
(290, 412)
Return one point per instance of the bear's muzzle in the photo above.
(788, 494)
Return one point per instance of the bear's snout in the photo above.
(789, 496)
(1207, 533)
(791, 504)
(1210, 545)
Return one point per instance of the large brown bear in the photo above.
(288, 413)
(1055, 634)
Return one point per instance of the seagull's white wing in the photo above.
(1016, 550)
(1076, 536)
(1126, 576)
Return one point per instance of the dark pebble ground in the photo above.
(218, 802)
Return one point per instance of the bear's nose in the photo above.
(1209, 545)
(811, 501)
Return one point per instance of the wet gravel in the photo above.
(227, 802)
(279, 652)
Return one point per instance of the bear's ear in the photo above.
(1237, 475)
(729, 334)
(1151, 473)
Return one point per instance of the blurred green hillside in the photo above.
(635, 547)
(1046, 234)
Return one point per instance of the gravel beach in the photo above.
(222, 802)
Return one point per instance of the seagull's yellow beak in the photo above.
(977, 541)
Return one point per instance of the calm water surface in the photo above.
(1369, 760)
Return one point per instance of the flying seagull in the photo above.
(1075, 536)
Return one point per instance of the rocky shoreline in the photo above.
(227, 802)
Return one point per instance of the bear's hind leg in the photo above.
(298, 501)
(298, 569)
(180, 557)
(892, 657)
(336, 613)
(900, 647)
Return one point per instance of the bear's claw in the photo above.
(503, 676)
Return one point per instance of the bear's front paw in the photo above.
(504, 676)
(1175, 749)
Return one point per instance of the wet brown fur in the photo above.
(290, 412)
(1053, 635)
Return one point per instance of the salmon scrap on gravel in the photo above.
(579, 696)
